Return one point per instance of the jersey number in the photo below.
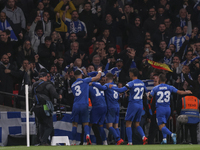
(97, 91)
(166, 96)
(78, 90)
(115, 95)
(138, 90)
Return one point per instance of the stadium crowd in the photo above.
(115, 35)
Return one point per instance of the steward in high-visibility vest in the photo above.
(190, 108)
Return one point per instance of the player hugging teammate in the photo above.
(106, 107)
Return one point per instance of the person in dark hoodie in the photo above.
(91, 20)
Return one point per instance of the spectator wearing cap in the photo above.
(60, 8)
(46, 53)
(16, 15)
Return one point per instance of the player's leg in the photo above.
(85, 121)
(110, 119)
(137, 120)
(162, 117)
(115, 125)
(75, 120)
(74, 132)
(101, 122)
(141, 132)
(129, 132)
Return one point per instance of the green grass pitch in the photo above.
(108, 147)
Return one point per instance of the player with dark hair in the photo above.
(112, 117)
(80, 89)
(162, 93)
(135, 105)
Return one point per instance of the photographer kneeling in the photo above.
(44, 93)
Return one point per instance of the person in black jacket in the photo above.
(91, 20)
(46, 54)
(7, 77)
(44, 94)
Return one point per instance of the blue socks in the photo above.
(165, 130)
(74, 131)
(102, 133)
(87, 130)
(118, 132)
(140, 130)
(114, 133)
(129, 134)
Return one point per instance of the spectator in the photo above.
(57, 44)
(136, 35)
(70, 56)
(160, 35)
(169, 28)
(25, 52)
(182, 20)
(5, 25)
(167, 57)
(91, 20)
(106, 37)
(37, 35)
(7, 75)
(49, 8)
(152, 23)
(46, 53)
(96, 61)
(74, 25)
(72, 38)
(38, 12)
(60, 8)
(16, 15)
(178, 39)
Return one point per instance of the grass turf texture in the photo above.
(108, 147)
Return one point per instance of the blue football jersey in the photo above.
(162, 93)
(80, 89)
(97, 96)
(111, 96)
(137, 89)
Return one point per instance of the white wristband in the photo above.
(99, 71)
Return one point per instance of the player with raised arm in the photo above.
(112, 116)
(80, 89)
(135, 105)
(99, 110)
(162, 93)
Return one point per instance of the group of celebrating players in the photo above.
(105, 106)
